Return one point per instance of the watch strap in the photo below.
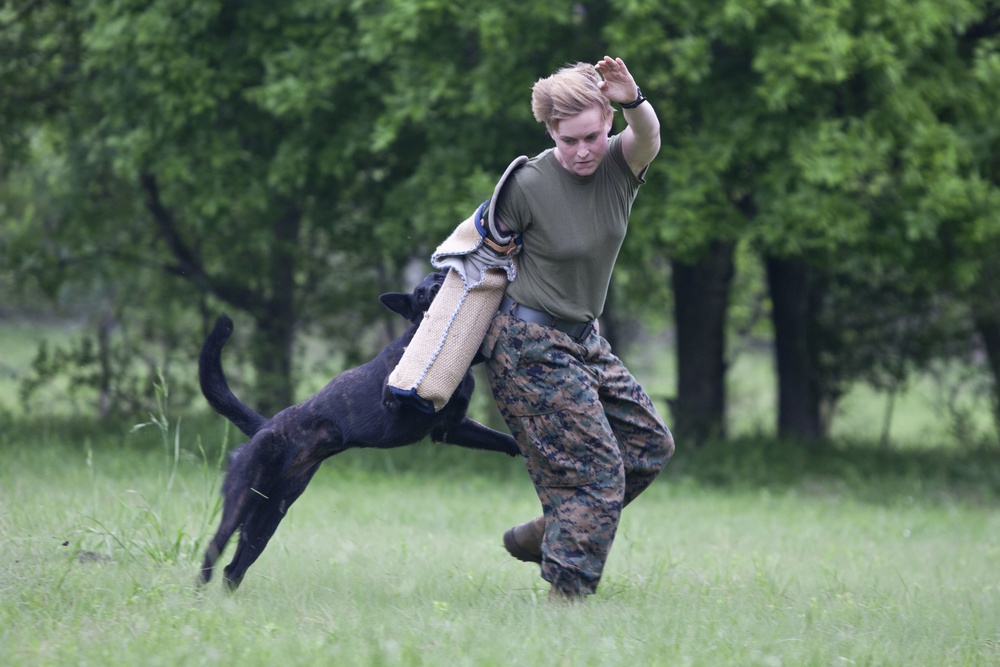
(639, 99)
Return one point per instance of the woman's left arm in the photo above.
(641, 139)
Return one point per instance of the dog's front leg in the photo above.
(470, 433)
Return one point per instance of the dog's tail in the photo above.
(214, 385)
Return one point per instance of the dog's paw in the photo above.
(389, 399)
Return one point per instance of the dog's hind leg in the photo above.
(259, 528)
(246, 487)
(236, 509)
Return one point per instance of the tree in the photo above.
(957, 143)
(801, 128)
(287, 162)
(282, 161)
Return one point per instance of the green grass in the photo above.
(748, 555)
(746, 552)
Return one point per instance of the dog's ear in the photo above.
(401, 304)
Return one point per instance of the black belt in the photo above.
(576, 330)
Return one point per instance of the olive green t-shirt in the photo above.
(571, 228)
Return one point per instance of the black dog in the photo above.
(267, 473)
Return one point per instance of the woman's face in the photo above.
(582, 141)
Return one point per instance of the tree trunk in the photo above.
(701, 299)
(988, 326)
(792, 299)
(276, 319)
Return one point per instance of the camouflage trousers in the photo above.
(591, 438)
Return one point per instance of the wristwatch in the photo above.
(639, 99)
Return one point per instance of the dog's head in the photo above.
(413, 306)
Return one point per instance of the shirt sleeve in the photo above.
(618, 156)
(511, 207)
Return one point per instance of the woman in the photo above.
(591, 438)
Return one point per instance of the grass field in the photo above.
(394, 558)
(748, 552)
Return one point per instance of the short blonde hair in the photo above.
(568, 92)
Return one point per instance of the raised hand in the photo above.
(618, 85)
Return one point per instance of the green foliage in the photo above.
(286, 162)
(173, 158)
(807, 110)
(904, 328)
(111, 366)
(854, 136)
